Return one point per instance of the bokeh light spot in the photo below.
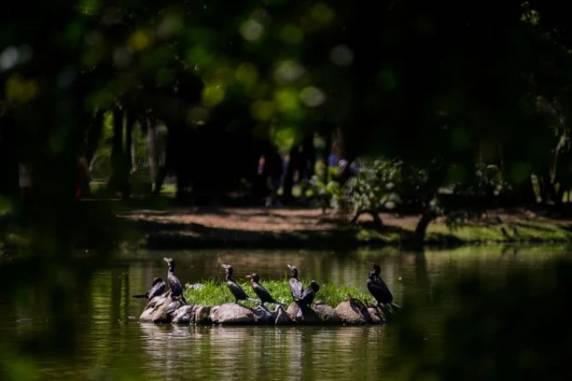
(288, 71)
(312, 96)
(213, 94)
(342, 55)
(251, 30)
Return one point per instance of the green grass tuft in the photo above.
(215, 293)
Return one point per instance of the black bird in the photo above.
(174, 282)
(308, 294)
(260, 291)
(157, 288)
(234, 287)
(296, 287)
(306, 299)
(378, 288)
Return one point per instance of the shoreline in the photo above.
(292, 228)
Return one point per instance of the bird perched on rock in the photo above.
(260, 291)
(157, 288)
(378, 288)
(308, 295)
(296, 287)
(306, 299)
(174, 282)
(234, 287)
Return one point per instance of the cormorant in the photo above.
(306, 299)
(157, 288)
(296, 287)
(174, 282)
(234, 287)
(260, 291)
(378, 288)
(308, 294)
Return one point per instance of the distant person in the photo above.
(270, 169)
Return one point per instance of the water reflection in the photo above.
(281, 353)
(108, 342)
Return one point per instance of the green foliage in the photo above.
(215, 293)
(488, 180)
(328, 193)
(382, 185)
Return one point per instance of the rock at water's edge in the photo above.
(353, 312)
(308, 315)
(376, 315)
(282, 317)
(183, 315)
(201, 314)
(231, 313)
(327, 314)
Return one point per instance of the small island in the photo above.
(210, 302)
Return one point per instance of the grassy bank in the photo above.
(508, 229)
(214, 293)
(174, 227)
(178, 228)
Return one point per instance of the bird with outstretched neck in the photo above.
(174, 283)
(234, 287)
(157, 288)
(378, 289)
(260, 291)
(296, 287)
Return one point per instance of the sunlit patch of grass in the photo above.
(529, 231)
(214, 293)
(169, 189)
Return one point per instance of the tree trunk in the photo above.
(378, 223)
(152, 146)
(129, 143)
(127, 156)
(524, 193)
(288, 182)
(116, 179)
(422, 225)
(93, 136)
(308, 159)
(326, 157)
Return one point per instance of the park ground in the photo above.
(312, 228)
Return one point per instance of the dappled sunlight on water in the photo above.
(107, 340)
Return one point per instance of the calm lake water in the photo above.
(109, 342)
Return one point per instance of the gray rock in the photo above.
(201, 314)
(156, 301)
(231, 313)
(307, 316)
(376, 315)
(146, 315)
(150, 311)
(183, 315)
(173, 306)
(160, 313)
(353, 312)
(282, 317)
(161, 309)
(327, 314)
